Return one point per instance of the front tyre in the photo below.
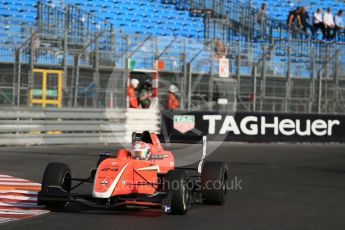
(214, 182)
(57, 174)
(103, 156)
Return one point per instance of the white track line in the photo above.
(18, 194)
(4, 220)
(17, 197)
(15, 211)
(19, 184)
(5, 176)
(23, 212)
(13, 180)
(19, 204)
(18, 191)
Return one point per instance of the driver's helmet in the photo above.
(140, 150)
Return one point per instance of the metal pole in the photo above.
(156, 44)
(254, 87)
(327, 62)
(238, 72)
(30, 73)
(113, 39)
(14, 79)
(263, 79)
(320, 92)
(96, 73)
(211, 84)
(206, 26)
(288, 81)
(189, 97)
(49, 28)
(125, 76)
(65, 53)
(184, 79)
(70, 101)
(39, 16)
(76, 81)
(312, 82)
(19, 79)
(336, 81)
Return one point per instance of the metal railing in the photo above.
(27, 126)
(34, 126)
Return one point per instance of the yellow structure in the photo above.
(41, 93)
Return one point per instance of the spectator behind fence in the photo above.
(339, 23)
(318, 23)
(262, 14)
(294, 20)
(35, 45)
(261, 19)
(146, 94)
(132, 94)
(172, 101)
(220, 50)
(329, 24)
(305, 20)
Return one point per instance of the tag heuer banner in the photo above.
(257, 127)
(184, 123)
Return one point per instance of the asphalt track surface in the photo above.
(282, 186)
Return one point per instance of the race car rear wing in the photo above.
(202, 140)
(186, 140)
(203, 156)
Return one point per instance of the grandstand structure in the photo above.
(94, 43)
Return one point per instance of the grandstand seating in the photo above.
(152, 16)
(142, 16)
(157, 17)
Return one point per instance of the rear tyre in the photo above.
(179, 191)
(214, 182)
(57, 174)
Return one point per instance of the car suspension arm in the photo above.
(81, 181)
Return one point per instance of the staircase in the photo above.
(233, 18)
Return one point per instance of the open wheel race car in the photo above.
(142, 176)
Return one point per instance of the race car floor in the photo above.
(275, 186)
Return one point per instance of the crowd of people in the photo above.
(330, 25)
(141, 97)
(300, 22)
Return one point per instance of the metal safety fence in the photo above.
(95, 61)
(37, 126)
(25, 126)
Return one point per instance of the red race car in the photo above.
(144, 175)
